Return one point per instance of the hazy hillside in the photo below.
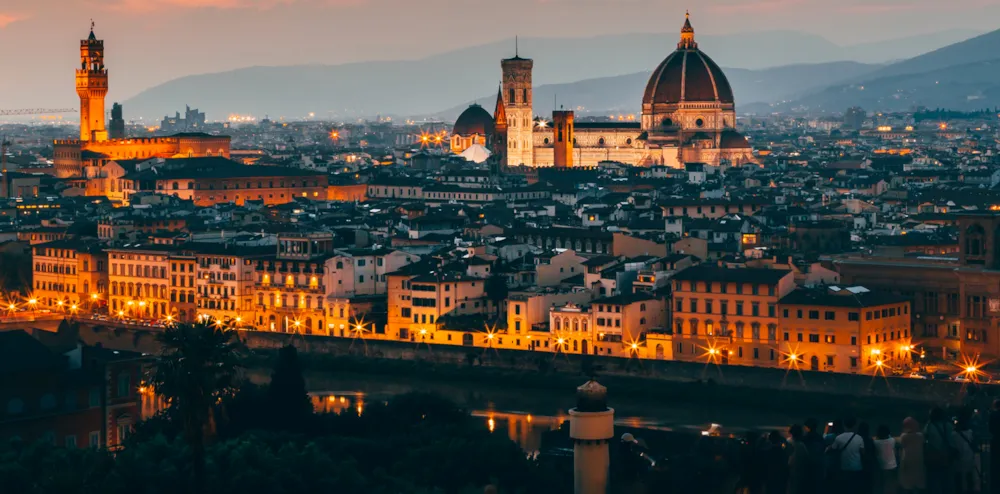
(970, 86)
(981, 48)
(441, 81)
(962, 76)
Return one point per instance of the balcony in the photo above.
(317, 289)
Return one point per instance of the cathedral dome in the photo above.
(687, 76)
(475, 120)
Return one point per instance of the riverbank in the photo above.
(638, 392)
(659, 382)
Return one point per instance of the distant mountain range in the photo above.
(584, 72)
(961, 76)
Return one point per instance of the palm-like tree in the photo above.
(198, 365)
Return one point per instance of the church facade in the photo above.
(94, 148)
(688, 116)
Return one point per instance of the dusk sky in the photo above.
(151, 41)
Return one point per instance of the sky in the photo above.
(151, 41)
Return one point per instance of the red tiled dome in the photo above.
(474, 120)
(687, 75)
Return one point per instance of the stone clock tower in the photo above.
(92, 87)
(517, 101)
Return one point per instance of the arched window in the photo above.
(174, 186)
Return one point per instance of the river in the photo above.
(525, 414)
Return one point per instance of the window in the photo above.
(854, 341)
(830, 339)
(124, 385)
(853, 316)
(854, 362)
(814, 314)
(786, 336)
(739, 308)
(784, 313)
(94, 440)
(829, 360)
(708, 306)
(829, 315)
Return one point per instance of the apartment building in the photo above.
(69, 275)
(727, 315)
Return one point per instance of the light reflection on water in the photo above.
(524, 428)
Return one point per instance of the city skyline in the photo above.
(162, 40)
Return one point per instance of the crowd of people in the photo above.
(948, 454)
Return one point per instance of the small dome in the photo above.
(687, 75)
(730, 139)
(475, 120)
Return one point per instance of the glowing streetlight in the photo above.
(93, 296)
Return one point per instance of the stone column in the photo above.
(591, 427)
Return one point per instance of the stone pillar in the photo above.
(591, 427)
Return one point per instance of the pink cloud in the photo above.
(8, 19)
(144, 6)
(755, 7)
(881, 8)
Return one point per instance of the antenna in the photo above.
(3, 164)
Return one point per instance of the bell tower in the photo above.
(517, 100)
(92, 87)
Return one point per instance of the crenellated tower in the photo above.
(517, 99)
(92, 87)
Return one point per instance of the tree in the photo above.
(197, 368)
(287, 395)
(496, 290)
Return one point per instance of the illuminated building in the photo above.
(419, 296)
(517, 104)
(290, 287)
(66, 273)
(688, 116)
(474, 126)
(225, 279)
(955, 303)
(728, 315)
(94, 148)
(847, 330)
(183, 289)
(138, 279)
(92, 88)
(214, 180)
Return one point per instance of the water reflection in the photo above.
(524, 428)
